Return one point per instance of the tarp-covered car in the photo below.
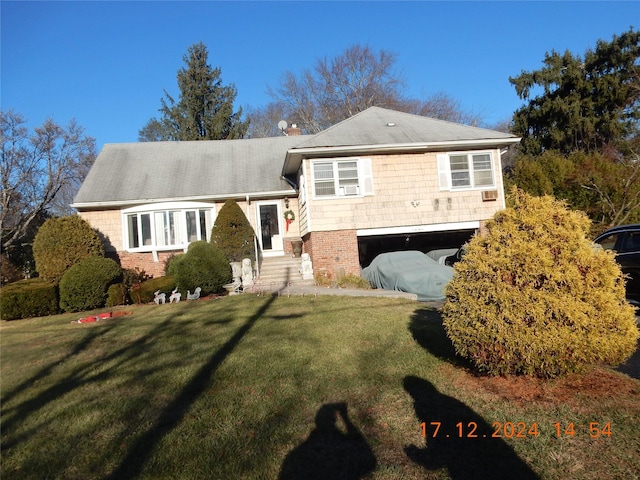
(409, 271)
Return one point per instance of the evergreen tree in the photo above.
(233, 234)
(204, 110)
(585, 103)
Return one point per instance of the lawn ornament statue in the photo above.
(306, 267)
(247, 273)
(159, 297)
(195, 295)
(175, 295)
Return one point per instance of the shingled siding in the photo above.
(406, 193)
(109, 224)
(333, 252)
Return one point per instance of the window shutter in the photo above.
(303, 190)
(444, 173)
(367, 176)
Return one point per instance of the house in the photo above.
(379, 181)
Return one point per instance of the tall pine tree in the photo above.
(204, 110)
(586, 104)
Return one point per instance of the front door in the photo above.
(269, 227)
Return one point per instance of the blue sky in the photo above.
(106, 64)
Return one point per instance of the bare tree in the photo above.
(336, 89)
(40, 172)
(340, 87)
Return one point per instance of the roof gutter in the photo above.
(199, 198)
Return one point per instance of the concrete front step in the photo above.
(281, 270)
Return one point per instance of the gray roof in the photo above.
(130, 173)
(134, 173)
(380, 126)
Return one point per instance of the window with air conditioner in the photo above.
(342, 178)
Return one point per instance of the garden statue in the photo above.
(175, 295)
(247, 273)
(159, 297)
(195, 295)
(306, 268)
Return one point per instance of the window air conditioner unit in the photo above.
(350, 190)
(489, 195)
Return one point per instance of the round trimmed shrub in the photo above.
(63, 242)
(84, 286)
(204, 265)
(534, 295)
(233, 234)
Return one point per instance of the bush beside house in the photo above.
(84, 286)
(204, 265)
(63, 242)
(233, 234)
(28, 298)
(534, 296)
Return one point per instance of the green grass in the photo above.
(232, 389)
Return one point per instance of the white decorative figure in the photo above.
(306, 267)
(195, 295)
(159, 297)
(247, 273)
(236, 272)
(175, 295)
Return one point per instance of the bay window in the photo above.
(166, 228)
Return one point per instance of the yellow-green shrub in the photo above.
(534, 296)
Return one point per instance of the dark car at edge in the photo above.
(624, 241)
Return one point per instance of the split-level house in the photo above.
(379, 181)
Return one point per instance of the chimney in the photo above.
(294, 130)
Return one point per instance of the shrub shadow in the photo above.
(426, 329)
(335, 449)
(466, 457)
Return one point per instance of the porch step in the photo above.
(281, 271)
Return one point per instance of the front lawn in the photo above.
(254, 387)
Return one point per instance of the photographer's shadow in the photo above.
(464, 442)
(335, 449)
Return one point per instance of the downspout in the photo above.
(255, 237)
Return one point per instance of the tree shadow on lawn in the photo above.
(78, 377)
(175, 411)
(463, 443)
(334, 450)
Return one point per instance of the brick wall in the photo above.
(333, 251)
(144, 261)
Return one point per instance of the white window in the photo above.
(342, 178)
(166, 228)
(465, 170)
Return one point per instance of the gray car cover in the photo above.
(410, 271)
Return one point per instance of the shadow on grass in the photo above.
(170, 417)
(78, 377)
(334, 450)
(89, 338)
(463, 443)
(426, 328)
